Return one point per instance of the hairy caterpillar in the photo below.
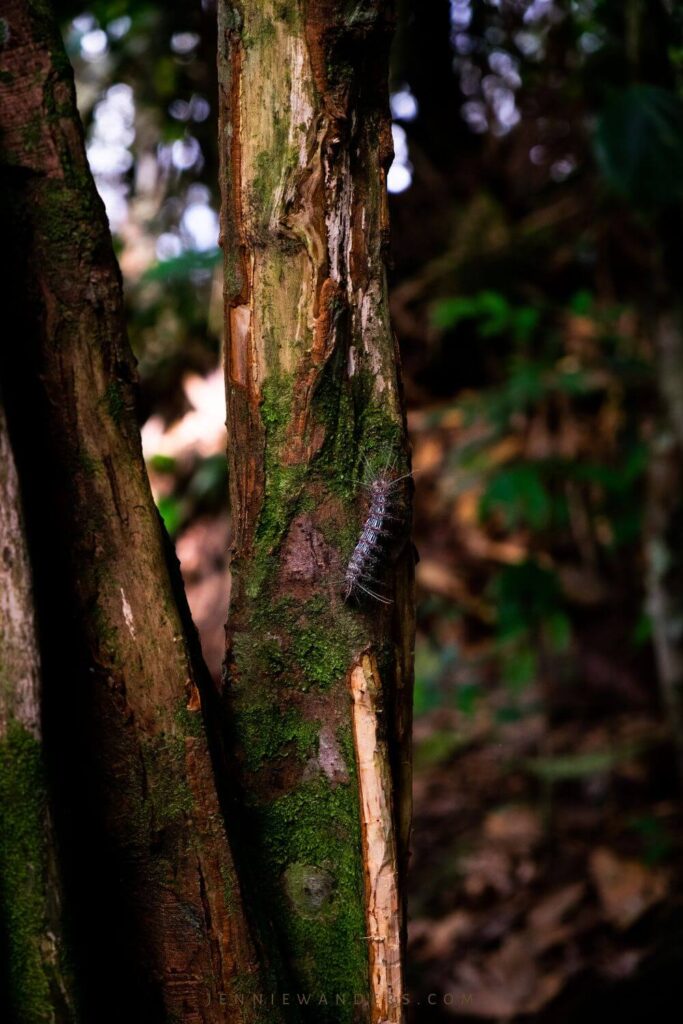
(369, 550)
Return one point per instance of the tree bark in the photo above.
(664, 524)
(318, 691)
(155, 906)
(37, 986)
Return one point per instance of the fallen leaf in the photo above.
(622, 965)
(435, 939)
(626, 888)
(516, 827)
(486, 869)
(505, 984)
(550, 911)
(545, 922)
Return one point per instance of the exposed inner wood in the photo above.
(379, 845)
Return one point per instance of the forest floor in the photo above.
(544, 877)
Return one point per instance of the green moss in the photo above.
(23, 893)
(189, 722)
(277, 405)
(232, 271)
(381, 434)
(57, 214)
(340, 73)
(324, 658)
(287, 12)
(231, 896)
(87, 464)
(334, 407)
(33, 132)
(280, 160)
(259, 653)
(169, 798)
(114, 401)
(362, 438)
(265, 30)
(323, 653)
(105, 633)
(309, 847)
(283, 484)
(269, 164)
(312, 841)
(64, 207)
(267, 736)
(293, 646)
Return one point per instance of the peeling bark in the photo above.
(382, 908)
(159, 930)
(313, 396)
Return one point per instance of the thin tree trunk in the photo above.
(156, 909)
(318, 690)
(664, 525)
(36, 983)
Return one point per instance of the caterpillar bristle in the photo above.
(369, 550)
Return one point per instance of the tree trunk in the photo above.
(158, 928)
(37, 985)
(318, 689)
(664, 525)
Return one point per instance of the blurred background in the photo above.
(535, 199)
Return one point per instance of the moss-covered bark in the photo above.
(34, 977)
(313, 399)
(154, 904)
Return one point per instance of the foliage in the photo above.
(639, 145)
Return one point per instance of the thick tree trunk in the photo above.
(159, 931)
(36, 986)
(318, 690)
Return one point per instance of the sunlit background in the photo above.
(535, 195)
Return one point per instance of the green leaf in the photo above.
(438, 748)
(525, 385)
(210, 479)
(520, 669)
(495, 314)
(428, 673)
(450, 312)
(162, 463)
(171, 513)
(657, 841)
(558, 631)
(580, 766)
(581, 302)
(508, 714)
(467, 697)
(639, 145)
(519, 495)
(642, 632)
(524, 322)
(525, 595)
(491, 309)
